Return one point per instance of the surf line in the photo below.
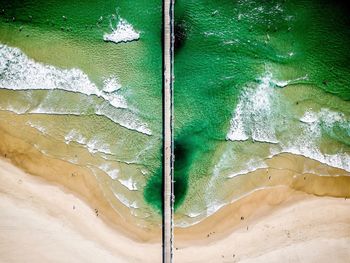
(168, 137)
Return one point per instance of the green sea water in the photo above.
(247, 76)
(86, 129)
(252, 79)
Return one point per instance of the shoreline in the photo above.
(50, 223)
(43, 192)
(299, 228)
(288, 171)
(76, 179)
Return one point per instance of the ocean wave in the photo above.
(38, 127)
(111, 172)
(252, 113)
(309, 117)
(129, 184)
(93, 145)
(125, 119)
(194, 214)
(264, 115)
(18, 72)
(251, 166)
(314, 124)
(124, 32)
(125, 201)
(111, 85)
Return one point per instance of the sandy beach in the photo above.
(301, 228)
(44, 222)
(174, 131)
(75, 178)
(48, 215)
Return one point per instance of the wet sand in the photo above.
(43, 222)
(301, 215)
(51, 217)
(263, 228)
(75, 178)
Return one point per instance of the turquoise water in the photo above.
(254, 79)
(84, 100)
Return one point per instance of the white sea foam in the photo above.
(129, 183)
(18, 72)
(309, 117)
(194, 214)
(194, 218)
(341, 160)
(215, 206)
(111, 172)
(126, 119)
(251, 166)
(124, 32)
(93, 145)
(15, 109)
(252, 112)
(237, 130)
(38, 127)
(125, 201)
(71, 136)
(111, 85)
(258, 117)
(74, 136)
(307, 143)
(144, 172)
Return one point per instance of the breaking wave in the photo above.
(18, 72)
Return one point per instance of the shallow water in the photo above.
(85, 100)
(253, 79)
(266, 77)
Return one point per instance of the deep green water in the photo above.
(67, 26)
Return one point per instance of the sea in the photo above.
(81, 81)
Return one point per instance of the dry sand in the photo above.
(43, 222)
(51, 217)
(77, 179)
(301, 228)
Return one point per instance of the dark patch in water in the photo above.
(180, 34)
(182, 152)
(153, 192)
